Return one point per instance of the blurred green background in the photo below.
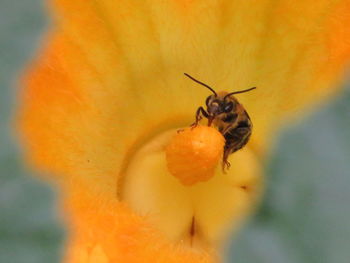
(305, 216)
(30, 231)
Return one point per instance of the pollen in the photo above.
(194, 153)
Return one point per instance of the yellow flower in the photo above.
(107, 92)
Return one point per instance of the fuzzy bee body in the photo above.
(229, 116)
(232, 121)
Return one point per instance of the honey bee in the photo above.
(229, 116)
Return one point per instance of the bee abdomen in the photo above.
(230, 118)
(237, 137)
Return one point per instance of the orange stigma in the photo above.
(193, 154)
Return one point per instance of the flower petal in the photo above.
(111, 78)
(108, 230)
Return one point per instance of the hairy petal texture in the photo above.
(110, 78)
(105, 230)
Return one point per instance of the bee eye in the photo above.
(228, 107)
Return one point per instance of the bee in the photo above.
(229, 116)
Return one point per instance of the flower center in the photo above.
(174, 181)
(193, 154)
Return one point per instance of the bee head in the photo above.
(217, 104)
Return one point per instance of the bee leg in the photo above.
(199, 111)
(225, 163)
(227, 128)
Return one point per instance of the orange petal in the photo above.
(107, 230)
(111, 78)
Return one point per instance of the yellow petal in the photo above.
(110, 79)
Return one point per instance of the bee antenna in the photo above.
(240, 91)
(205, 85)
